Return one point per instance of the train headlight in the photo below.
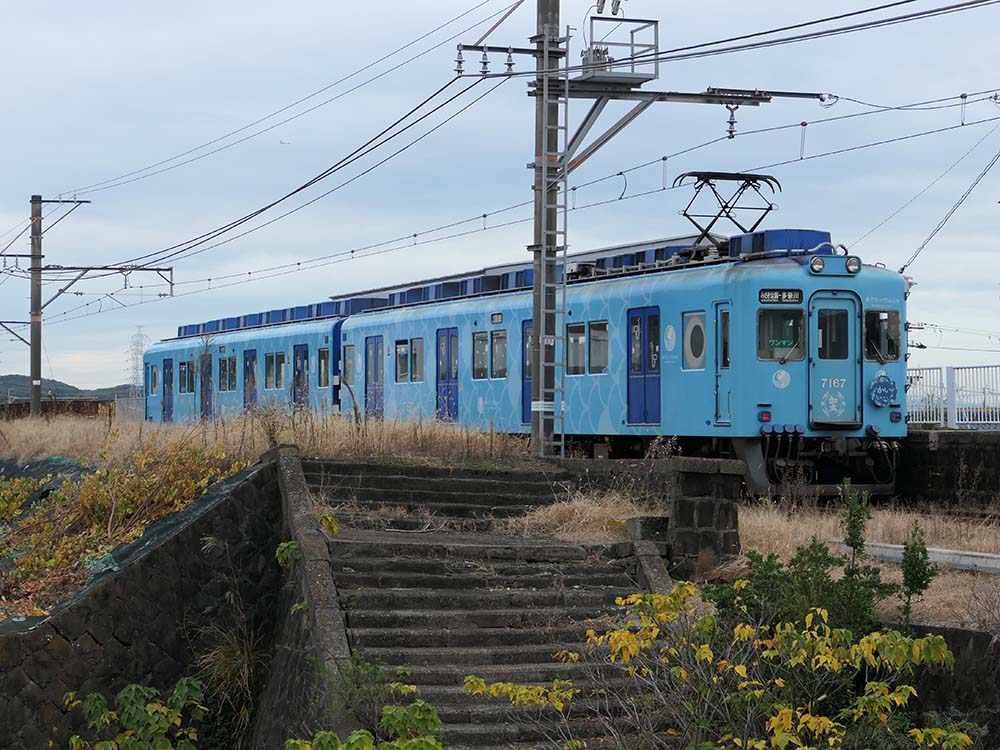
(817, 264)
(853, 264)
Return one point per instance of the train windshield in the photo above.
(780, 335)
(882, 336)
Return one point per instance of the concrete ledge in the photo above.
(979, 562)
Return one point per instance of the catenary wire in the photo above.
(405, 242)
(951, 212)
(929, 185)
(123, 179)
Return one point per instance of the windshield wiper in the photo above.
(788, 354)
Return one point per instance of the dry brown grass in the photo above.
(955, 598)
(765, 527)
(247, 436)
(586, 516)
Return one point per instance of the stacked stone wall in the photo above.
(139, 620)
(954, 467)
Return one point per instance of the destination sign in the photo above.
(780, 296)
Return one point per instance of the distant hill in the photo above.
(18, 387)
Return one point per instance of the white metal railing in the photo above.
(925, 395)
(973, 399)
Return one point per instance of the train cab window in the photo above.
(480, 355)
(324, 368)
(348, 365)
(780, 335)
(882, 338)
(416, 360)
(498, 354)
(403, 361)
(834, 330)
(598, 346)
(694, 340)
(154, 384)
(576, 349)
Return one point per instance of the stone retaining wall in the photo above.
(138, 620)
(950, 466)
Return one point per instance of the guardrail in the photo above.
(954, 397)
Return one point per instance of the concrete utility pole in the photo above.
(36, 306)
(545, 243)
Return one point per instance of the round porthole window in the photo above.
(694, 341)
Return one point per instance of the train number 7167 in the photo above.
(832, 382)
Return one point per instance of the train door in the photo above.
(644, 365)
(447, 374)
(168, 390)
(300, 374)
(249, 378)
(723, 361)
(526, 339)
(373, 377)
(834, 361)
(206, 386)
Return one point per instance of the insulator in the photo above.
(459, 62)
(484, 64)
(731, 132)
(510, 60)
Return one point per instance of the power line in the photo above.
(929, 185)
(992, 162)
(408, 241)
(137, 174)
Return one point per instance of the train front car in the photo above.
(825, 396)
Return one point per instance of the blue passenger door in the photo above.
(723, 361)
(168, 390)
(644, 365)
(300, 374)
(249, 378)
(447, 374)
(834, 361)
(526, 340)
(373, 377)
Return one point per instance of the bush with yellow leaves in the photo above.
(675, 676)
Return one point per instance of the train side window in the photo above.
(348, 365)
(324, 368)
(598, 346)
(480, 355)
(279, 370)
(269, 371)
(724, 357)
(498, 354)
(635, 331)
(154, 381)
(223, 374)
(182, 369)
(403, 361)
(190, 377)
(882, 338)
(694, 340)
(576, 351)
(232, 373)
(834, 330)
(416, 360)
(780, 335)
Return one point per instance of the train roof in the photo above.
(657, 254)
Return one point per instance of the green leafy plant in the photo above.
(364, 689)
(412, 727)
(288, 554)
(918, 571)
(142, 718)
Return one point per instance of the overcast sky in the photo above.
(91, 91)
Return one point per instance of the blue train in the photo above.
(772, 346)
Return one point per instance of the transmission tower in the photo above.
(137, 348)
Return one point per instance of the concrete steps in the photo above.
(448, 603)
